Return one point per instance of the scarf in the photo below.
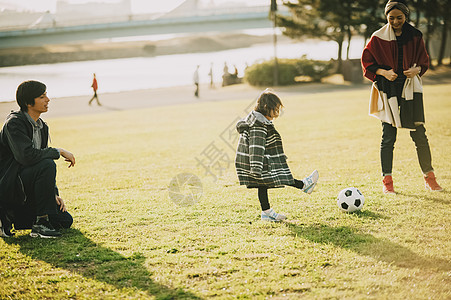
(384, 105)
(382, 52)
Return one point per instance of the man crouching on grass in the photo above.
(29, 197)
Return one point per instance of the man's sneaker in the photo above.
(44, 229)
(310, 182)
(431, 183)
(5, 227)
(272, 216)
(388, 185)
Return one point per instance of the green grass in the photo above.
(130, 241)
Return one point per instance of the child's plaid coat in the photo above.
(260, 160)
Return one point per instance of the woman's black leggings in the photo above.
(421, 143)
(263, 194)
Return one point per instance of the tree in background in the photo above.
(339, 20)
(307, 20)
(434, 15)
(303, 22)
(429, 10)
(371, 18)
(335, 20)
(445, 13)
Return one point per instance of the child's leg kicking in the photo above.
(298, 184)
(308, 183)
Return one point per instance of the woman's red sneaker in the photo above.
(431, 183)
(388, 185)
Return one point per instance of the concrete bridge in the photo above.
(177, 21)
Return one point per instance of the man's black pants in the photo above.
(39, 182)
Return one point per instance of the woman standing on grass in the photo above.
(394, 59)
(260, 161)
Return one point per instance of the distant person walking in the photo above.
(212, 85)
(226, 69)
(235, 71)
(196, 81)
(95, 86)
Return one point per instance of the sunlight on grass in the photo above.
(131, 241)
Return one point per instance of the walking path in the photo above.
(164, 97)
(185, 94)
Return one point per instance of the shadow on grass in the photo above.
(367, 245)
(433, 196)
(367, 214)
(78, 254)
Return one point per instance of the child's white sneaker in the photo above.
(272, 216)
(310, 182)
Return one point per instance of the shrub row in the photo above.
(262, 74)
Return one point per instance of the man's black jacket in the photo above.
(17, 152)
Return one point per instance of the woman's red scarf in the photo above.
(406, 109)
(382, 50)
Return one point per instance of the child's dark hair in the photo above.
(27, 91)
(268, 103)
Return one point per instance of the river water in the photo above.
(116, 75)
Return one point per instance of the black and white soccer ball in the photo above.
(350, 199)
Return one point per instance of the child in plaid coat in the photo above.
(260, 161)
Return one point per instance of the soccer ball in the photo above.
(350, 199)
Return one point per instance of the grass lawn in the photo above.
(130, 241)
